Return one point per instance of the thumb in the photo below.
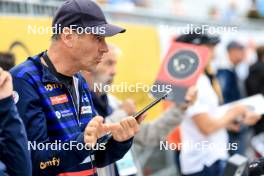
(98, 119)
(141, 118)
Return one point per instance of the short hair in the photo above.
(7, 60)
(260, 52)
(55, 37)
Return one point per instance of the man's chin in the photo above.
(110, 82)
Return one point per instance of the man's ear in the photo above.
(67, 37)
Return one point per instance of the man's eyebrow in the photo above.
(97, 36)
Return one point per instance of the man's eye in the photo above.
(98, 38)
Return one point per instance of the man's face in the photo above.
(88, 49)
(106, 70)
(236, 55)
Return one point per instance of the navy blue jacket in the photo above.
(229, 85)
(49, 115)
(15, 156)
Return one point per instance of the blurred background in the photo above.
(151, 25)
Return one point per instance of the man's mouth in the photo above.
(98, 60)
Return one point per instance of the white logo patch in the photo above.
(86, 109)
(15, 97)
(58, 114)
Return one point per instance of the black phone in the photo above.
(108, 136)
(145, 109)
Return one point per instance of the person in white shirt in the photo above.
(203, 130)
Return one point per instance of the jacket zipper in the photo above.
(75, 108)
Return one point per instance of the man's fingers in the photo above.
(117, 131)
(141, 118)
(123, 130)
(90, 131)
(96, 121)
(133, 128)
(101, 130)
(94, 130)
(130, 127)
(111, 127)
(251, 118)
(90, 140)
(132, 122)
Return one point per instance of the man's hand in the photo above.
(125, 129)
(251, 118)
(6, 86)
(94, 130)
(234, 127)
(128, 106)
(121, 131)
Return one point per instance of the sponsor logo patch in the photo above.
(86, 109)
(50, 87)
(63, 113)
(60, 99)
(85, 98)
(58, 114)
(54, 162)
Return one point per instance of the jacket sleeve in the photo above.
(16, 156)
(114, 151)
(33, 116)
(168, 120)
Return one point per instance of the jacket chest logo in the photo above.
(60, 99)
(51, 87)
(86, 109)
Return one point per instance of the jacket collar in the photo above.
(46, 75)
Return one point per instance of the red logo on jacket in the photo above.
(60, 99)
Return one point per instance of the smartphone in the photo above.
(145, 109)
(107, 137)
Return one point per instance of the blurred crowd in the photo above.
(231, 10)
(56, 85)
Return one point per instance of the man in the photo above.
(228, 77)
(54, 101)
(256, 74)
(232, 90)
(14, 155)
(254, 82)
(115, 110)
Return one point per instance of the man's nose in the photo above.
(104, 47)
(113, 71)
